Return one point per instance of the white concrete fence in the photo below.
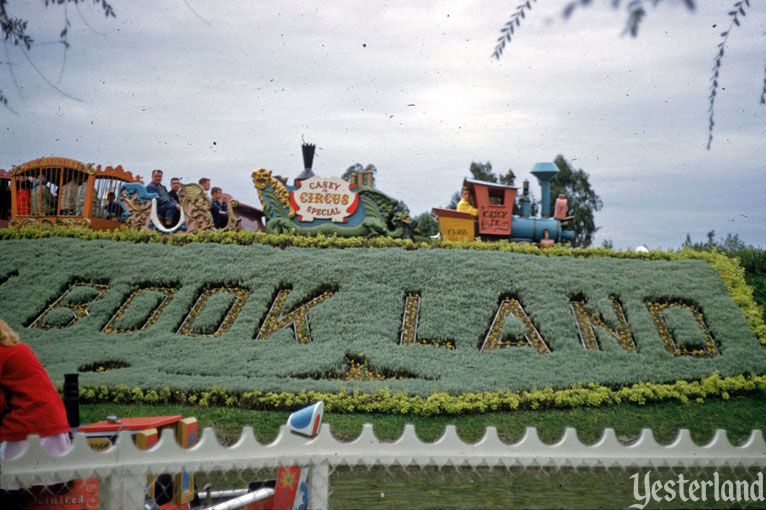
(122, 468)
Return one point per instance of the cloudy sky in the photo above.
(201, 88)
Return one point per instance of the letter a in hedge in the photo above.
(298, 318)
(493, 340)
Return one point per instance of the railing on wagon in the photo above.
(62, 191)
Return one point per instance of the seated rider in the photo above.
(95, 203)
(175, 185)
(43, 201)
(466, 204)
(68, 196)
(112, 207)
(168, 208)
(218, 209)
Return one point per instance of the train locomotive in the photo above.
(491, 214)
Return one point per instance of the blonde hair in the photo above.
(8, 336)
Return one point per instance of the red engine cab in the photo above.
(495, 205)
(495, 213)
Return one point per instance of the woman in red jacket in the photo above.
(29, 403)
(23, 204)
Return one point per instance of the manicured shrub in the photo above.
(460, 285)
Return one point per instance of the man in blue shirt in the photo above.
(218, 209)
(112, 208)
(167, 207)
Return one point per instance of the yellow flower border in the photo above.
(385, 402)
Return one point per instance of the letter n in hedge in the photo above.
(586, 321)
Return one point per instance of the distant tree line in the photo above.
(752, 259)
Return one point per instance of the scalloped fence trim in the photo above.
(385, 402)
(123, 467)
(728, 269)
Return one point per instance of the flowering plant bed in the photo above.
(422, 322)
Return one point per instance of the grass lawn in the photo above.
(738, 416)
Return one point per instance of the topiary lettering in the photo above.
(276, 319)
(587, 320)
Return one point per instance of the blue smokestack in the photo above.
(545, 172)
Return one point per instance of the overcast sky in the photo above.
(219, 89)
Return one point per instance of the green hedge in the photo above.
(728, 268)
(433, 380)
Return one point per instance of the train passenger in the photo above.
(68, 196)
(167, 207)
(175, 185)
(112, 208)
(43, 201)
(5, 199)
(82, 190)
(205, 183)
(466, 204)
(23, 207)
(218, 209)
(29, 403)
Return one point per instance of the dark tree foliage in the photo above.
(582, 200)
(427, 225)
(482, 172)
(453, 201)
(357, 167)
(509, 179)
(636, 10)
(753, 259)
(15, 34)
(734, 20)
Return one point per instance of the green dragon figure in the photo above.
(383, 215)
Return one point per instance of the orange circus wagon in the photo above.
(62, 191)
